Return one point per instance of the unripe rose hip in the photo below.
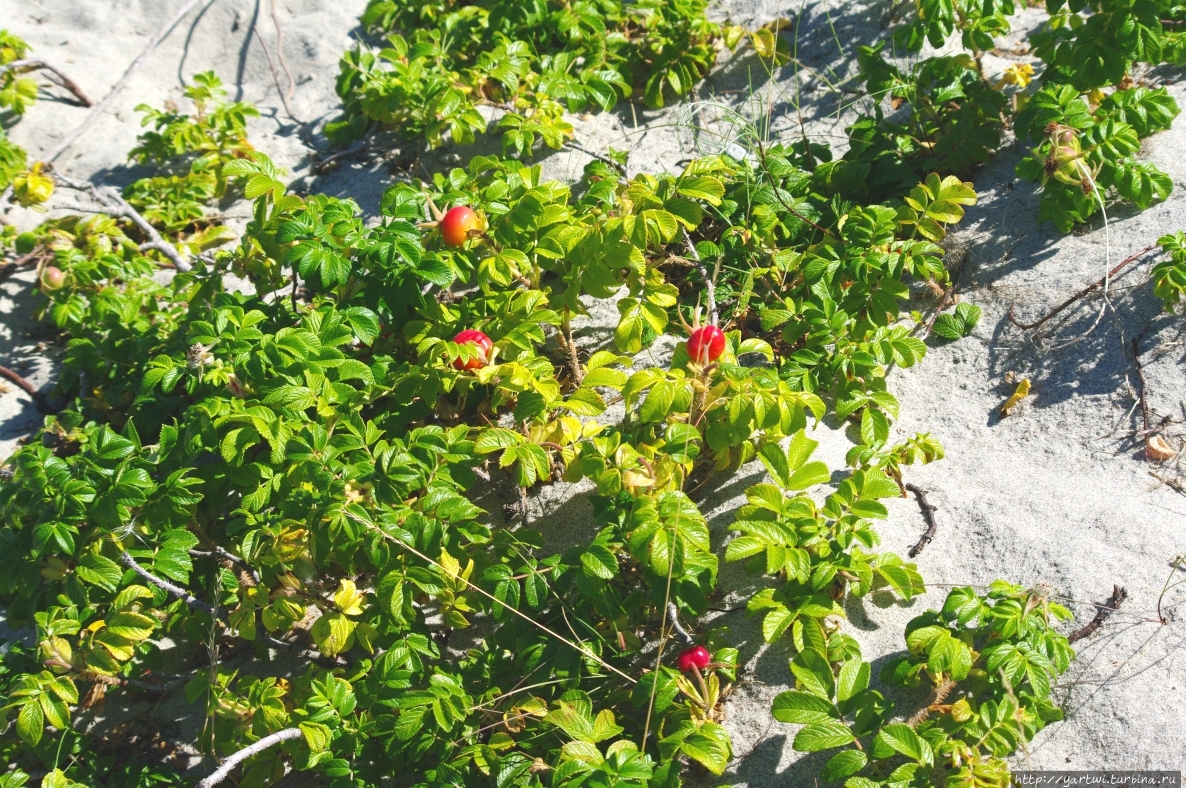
(52, 278)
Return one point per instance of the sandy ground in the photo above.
(1055, 493)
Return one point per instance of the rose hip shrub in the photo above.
(354, 458)
(334, 465)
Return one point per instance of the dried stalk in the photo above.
(1101, 615)
(1085, 291)
(928, 514)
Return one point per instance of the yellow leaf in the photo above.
(31, 187)
(450, 564)
(1022, 391)
(333, 633)
(348, 599)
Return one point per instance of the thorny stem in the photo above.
(778, 194)
(709, 283)
(1101, 615)
(603, 159)
(1136, 357)
(574, 361)
(928, 514)
(7, 269)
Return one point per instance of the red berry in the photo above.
(52, 278)
(473, 337)
(456, 224)
(696, 656)
(706, 344)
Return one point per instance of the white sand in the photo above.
(1053, 493)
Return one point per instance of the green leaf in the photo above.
(843, 764)
(823, 736)
(30, 724)
(809, 475)
(709, 746)
(902, 738)
(802, 708)
(99, 571)
(598, 561)
(317, 736)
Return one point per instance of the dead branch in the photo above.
(161, 583)
(1085, 291)
(1101, 615)
(710, 289)
(928, 514)
(221, 773)
(99, 108)
(29, 64)
(114, 204)
(40, 400)
(8, 269)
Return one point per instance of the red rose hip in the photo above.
(694, 657)
(456, 224)
(706, 344)
(473, 337)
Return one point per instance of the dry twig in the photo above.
(673, 614)
(29, 64)
(1085, 291)
(1102, 612)
(928, 513)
